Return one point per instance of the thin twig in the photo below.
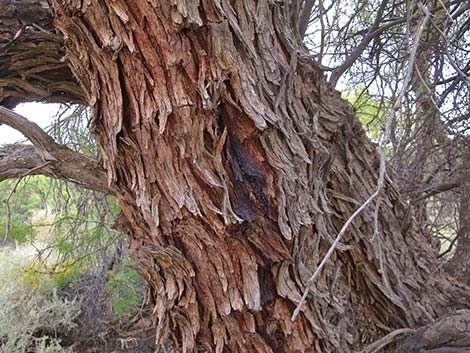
(13, 190)
(386, 340)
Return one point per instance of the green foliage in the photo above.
(124, 288)
(39, 273)
(20, 233)
(76, 227)
(24, 198)
(369, 110)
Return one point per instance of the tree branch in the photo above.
(19, 160)
(437, 188)
(356, 53)
(305, 17)
(30, 130)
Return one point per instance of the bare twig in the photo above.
(13, 190)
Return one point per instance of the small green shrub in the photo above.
(31, 320)
(124, 288)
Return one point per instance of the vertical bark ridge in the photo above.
(235, 166)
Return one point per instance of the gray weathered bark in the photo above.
(459, 264)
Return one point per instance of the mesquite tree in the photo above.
(235, 164)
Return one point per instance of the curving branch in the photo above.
(46, 157)
(21, 160)
(30, 130)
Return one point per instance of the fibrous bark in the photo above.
(459, 264)
(33, 66)
(235, 165)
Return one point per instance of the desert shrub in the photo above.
(124, 288)
(88, 290)
(31, 320)
(39, 273)
(34, 321)
(50, 345)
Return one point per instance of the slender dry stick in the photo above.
(382, 172)
(386, 340)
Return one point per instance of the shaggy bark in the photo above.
(235, 165)
(33, 66)
(459, 264)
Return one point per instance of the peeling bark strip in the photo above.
(235, 165)
(32, 65)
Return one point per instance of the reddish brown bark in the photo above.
(33, 66)
(235, 166)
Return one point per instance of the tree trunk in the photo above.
(459, 264)
(235, 166)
